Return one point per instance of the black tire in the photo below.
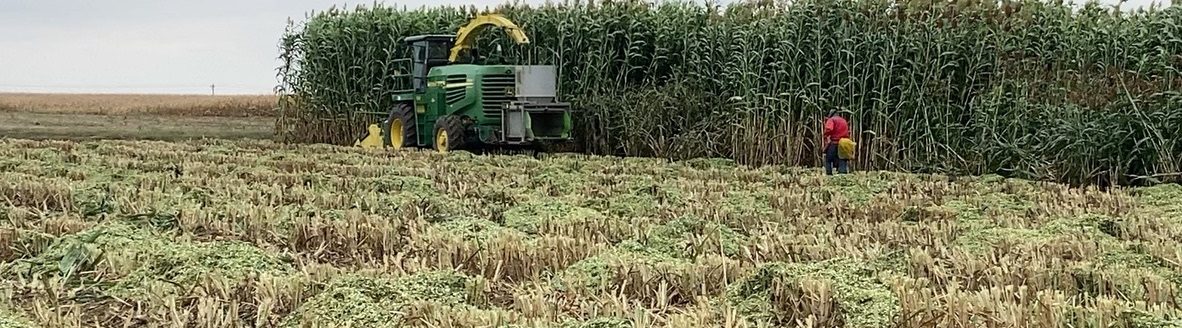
(404, 112)
(457, 138)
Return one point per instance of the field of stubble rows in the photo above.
(260, 234)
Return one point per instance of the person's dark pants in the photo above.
(831, 159)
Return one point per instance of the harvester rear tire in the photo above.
(450, 134)
(404, 113)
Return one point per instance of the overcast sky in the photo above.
(155, 46)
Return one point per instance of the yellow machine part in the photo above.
(373, 139)
(466, 38)
(846, 148)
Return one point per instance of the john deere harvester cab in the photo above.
(446, 105)
(427, 51)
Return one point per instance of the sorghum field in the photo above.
(1074, 92)
(262, 234)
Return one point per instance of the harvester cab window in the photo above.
(435, 51)
(427, 53)
(438, 50)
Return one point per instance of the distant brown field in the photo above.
(138, 104)
(131, 116)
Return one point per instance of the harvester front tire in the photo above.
(449, 134)
(401, 117)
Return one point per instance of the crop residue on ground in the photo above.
(255, 233)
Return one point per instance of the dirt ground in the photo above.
(26, 125)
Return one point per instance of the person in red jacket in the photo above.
(836, 128)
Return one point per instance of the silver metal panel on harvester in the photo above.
(536, 81)
(515, 123)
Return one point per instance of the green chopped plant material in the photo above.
(12, 319)
(374, 301)
(1145, 320)
(94, 202)
(710, 163)
(859, 187)
(206, 233)
(555, 181)
(967, 213)
(1163, 197)
(600, 323)
(676, 239)
(894, 262)
(981, 236)
(639, 196)
(530, 217)
(863, 300)
(412, 185)
(598, 272)
(155, 219)
(80, 252)
(590, 273)
(740, 207)
(629, 205)
(10, 322)
(991, 178)
(981, 240)
(1106, 233)
(133, 257)
(474, 229)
